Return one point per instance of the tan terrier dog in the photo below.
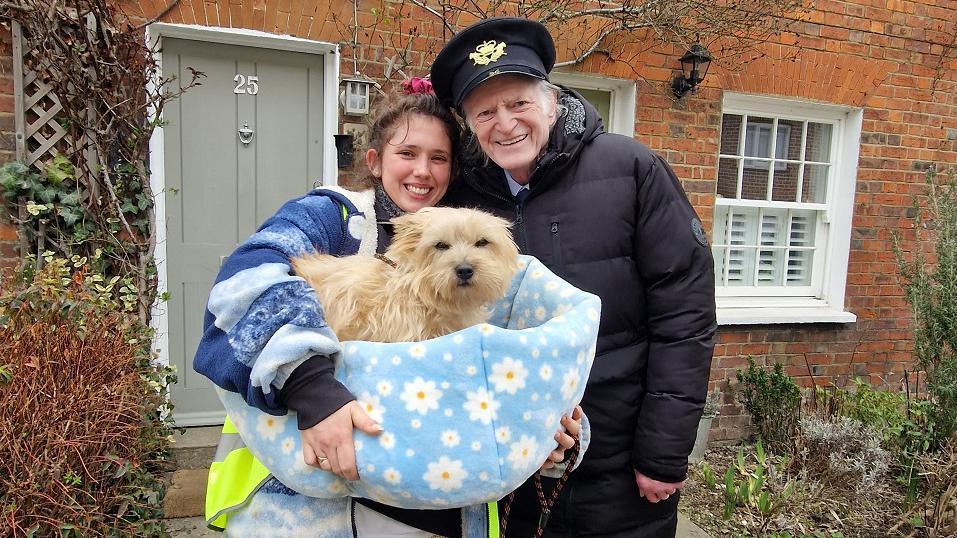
(444, 268)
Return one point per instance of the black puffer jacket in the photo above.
(609, 216)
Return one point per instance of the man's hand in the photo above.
(654, 490)
(565, 436)
(328, 445)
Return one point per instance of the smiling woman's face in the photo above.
(415, 164)
(511, 118)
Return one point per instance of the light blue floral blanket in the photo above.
(468, 417)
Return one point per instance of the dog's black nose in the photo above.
(464, 272)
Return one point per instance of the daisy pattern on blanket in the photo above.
(467, 417)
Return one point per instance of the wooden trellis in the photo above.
(39, 135)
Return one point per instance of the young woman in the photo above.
(411, 159)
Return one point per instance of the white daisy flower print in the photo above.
(540, 313)
(447, 357)
(392, 476)
(384, 388)
(371, 405)
(536, 353)
(409, 453)
(415, 423)
(417, 350)
(449, 412)
(450, 438)
(592, 314)
(445, 475)
(288, 445)
(476, 446)
(387, 440)
(523, 452)
(481, 406)
(570, 384)
(337, 488)
(458, 339)
(561, 309)
(358, 444)
(551, 285)
(396, 360)
(503, 434)
(536, 274)
(269, 426)
(545, 372)
(471, 370)
(508, 375)
(421, 396)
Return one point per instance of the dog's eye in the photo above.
(442, 245)
(481, 242)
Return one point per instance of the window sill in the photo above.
(730, 313)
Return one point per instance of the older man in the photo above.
(609, 216)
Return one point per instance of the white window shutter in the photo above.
(798, 262)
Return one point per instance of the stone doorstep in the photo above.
(195, 448)
(193, 451)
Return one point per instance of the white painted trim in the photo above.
(774, 316)
(623, 96)
(241, 36)
(154, 34)
(330, 117)
(838, 217)
(159, 317)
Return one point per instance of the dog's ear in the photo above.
(407, 233)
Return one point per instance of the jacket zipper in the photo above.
(557, 247)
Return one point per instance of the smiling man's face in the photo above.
(511, 117)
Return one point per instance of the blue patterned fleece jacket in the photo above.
(261, 321)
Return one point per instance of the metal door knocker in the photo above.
(246, 134)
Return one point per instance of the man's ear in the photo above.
(373, 162)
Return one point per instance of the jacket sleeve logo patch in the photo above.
(698, 230)
(488, 52)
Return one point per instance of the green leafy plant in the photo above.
(773, 400)
(930, 286)
(84, 459)
(756, 486)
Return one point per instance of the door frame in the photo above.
(330, 109)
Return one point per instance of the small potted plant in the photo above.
(712, 407)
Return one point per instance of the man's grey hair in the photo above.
(550, 95)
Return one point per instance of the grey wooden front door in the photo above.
(236, 147)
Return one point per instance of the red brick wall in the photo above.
(885, 60)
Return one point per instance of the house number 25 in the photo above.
(246, 84)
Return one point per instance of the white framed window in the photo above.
(783, 210)
(614, 98)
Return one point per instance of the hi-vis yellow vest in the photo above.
(234, 476)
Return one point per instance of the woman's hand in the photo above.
(565, 436)
(328, 445)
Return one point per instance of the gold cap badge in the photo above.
(488, 52)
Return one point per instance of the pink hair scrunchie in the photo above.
(416, 85)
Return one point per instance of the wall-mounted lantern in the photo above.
(355, 96)
(694, 67)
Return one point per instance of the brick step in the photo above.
(193, 451)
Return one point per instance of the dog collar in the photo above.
(387, 260)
